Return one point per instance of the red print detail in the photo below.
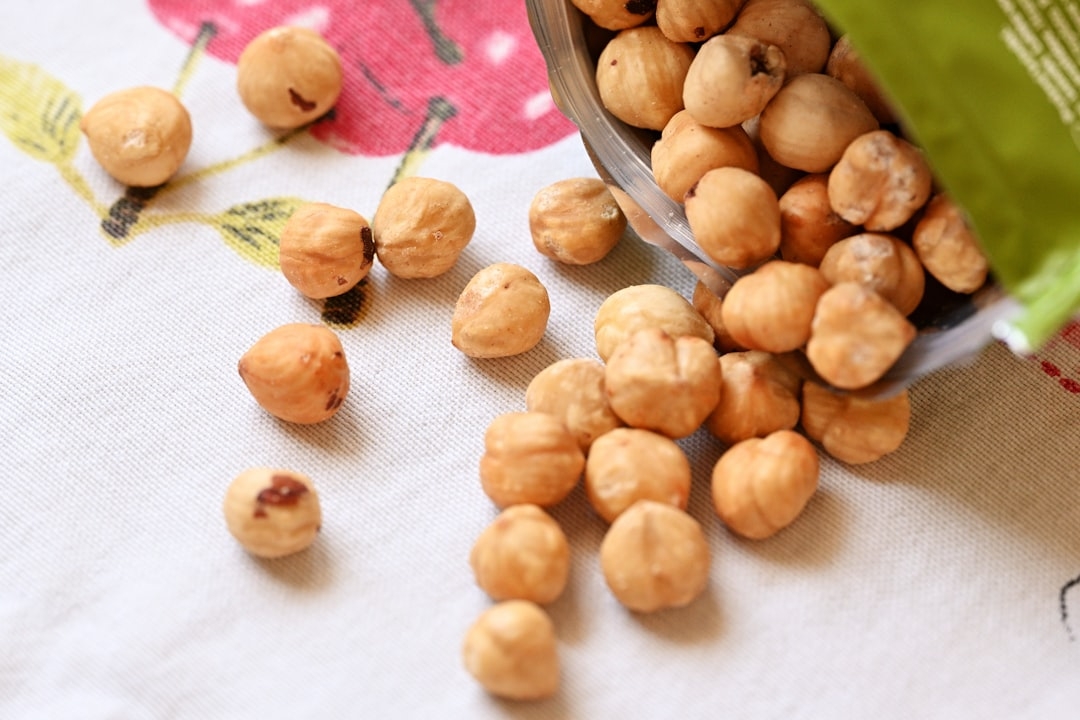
(1059, 347)
(473, 63)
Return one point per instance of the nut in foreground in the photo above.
(512, 652)
(272, 512)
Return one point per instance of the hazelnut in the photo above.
(576, 221)
(288, 77)
(759, 396)
(502, 311)
(421, 227)
(711, 307)
(772, 308)
(794, 26)
(853, 429)
(881, 262)
(297, 372)
(846, 65)
(811, 121)
(948, 248)
(687, 150)
(663, 383)
(856, 336)
(272, 512)
(140, 135)
(693, 21)
(879, 181)
(761, 485)
(731, 80)
(640, 75)
(325, 250)
(630, 464)
(655, 556)
(808, 224)
(617, 14)
(511, 651)
(632, 308)
(735, 217)
(522, 555)
(573, 391)
(529, 457)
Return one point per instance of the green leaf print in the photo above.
(252, 229)
(38, 113)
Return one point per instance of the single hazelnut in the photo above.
(771, 309)
(881, 262)
(655, 556)
(325, 250)
(529, 457)
(846, 65)
(856, 336)
(640, 75)
(794, 26)
(632, 308)
(663, 383)
(573, 391)
(853, 429)
(879, 181)
(140, 135)
(631, 464)
(502, 311)
(522, 555)
(297, 372)
(421, 226)
(811, 121)
(576, 221)
(512, 652)
(731, 79)
(694, 21)
(617, 14)
(272, 512)
(761, 485)
(759, 396)
(288, 77)
(734, 216)
(948, 248)
(687, 150)
(808, 224)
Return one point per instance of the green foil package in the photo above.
(990, 89)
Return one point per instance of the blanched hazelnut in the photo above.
(856, 336)
(297, 372)
(522, 555)
(853, 429)
(879, 181)
(655, 556)
(272, 512)
(687, 150)
(663, 383)
(881, 262)
(632, 308)
(617, 14)
(811, 121)
(694, 21)
(731, 79)
(630, 464)
(512, 652)
(772, 308)
(529, 457)
(140, 135)
(422, 226)
(576, 221)
(792, 25)
(759, 396)
(808, 224)
(502, 311)
(735, 217)
(288, 77)
(846, 65)
(573, 391)
(761, 485)
(325, 250)
(711, 307)
(948, 248)
(640, 75)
